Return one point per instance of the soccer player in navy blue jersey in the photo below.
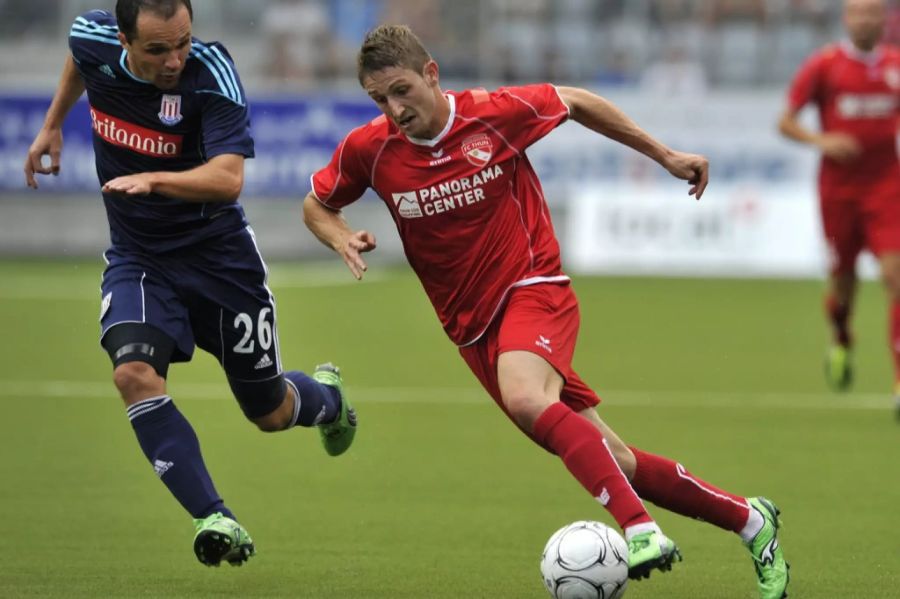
(171, 133)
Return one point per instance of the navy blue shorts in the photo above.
(214, 296)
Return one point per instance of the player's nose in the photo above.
(395, 107)
(174, 61)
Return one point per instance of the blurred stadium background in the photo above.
(703, 75)
(722, 374)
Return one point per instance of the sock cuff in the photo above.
(548, 420)
(146, 405)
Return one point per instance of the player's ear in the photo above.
(430, 73)
(123, 40)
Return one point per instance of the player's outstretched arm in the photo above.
(837, 146)
(49, 140)
(218, 180)
(604, 117)
(332, 230)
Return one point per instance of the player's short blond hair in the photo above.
(391, 46)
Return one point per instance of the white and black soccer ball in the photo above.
(585, 560)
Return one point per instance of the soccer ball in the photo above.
(585, 560)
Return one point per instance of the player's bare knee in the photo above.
(136, 381)
(524, 409)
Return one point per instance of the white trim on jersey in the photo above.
(521, 210)
(143, 299)
(523, 283)
(451, 99)
(535, 110)
(275, 342)
(378, 154)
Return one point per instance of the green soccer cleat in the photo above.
(838, 368)
(219, 538)
(337, 436)
(768, 558)
(648, 551)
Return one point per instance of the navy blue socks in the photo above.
(314, 403)
(172, 447)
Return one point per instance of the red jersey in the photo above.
(859, 94)
(467, 204)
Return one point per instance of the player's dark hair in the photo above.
(127, 12)
(391, 46)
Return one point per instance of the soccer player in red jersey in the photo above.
(451, 168)
(856, 87)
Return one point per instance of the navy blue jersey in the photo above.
(140, 128)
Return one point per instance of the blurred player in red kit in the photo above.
(452, 169)
(855, 85)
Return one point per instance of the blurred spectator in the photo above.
(300, 44)
(674, 74)
(720, 12)
(22, 19)
(422, 16)
(518, 48)
(616, 71)
(738, 48)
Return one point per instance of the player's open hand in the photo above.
(129, 185)
(840, 147)
(692, 168)
(352, 247)
(47, 143)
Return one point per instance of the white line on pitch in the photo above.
(623, 398)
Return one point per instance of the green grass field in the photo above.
(441, 497)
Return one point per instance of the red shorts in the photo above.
(542, 319)
(870, 219)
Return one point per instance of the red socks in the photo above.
(670, 486)
(585, 453)
(838, 316)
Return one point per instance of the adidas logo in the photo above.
(264, 362)
(162, 467)
(106, 70)
(351, 417)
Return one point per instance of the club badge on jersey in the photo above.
(478, 149)
(170, 110)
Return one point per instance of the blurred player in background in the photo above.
(452, 170)
(856, 87)
(171, 132)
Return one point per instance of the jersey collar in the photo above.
(123, 62)
(869, 58)
(440, 136)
